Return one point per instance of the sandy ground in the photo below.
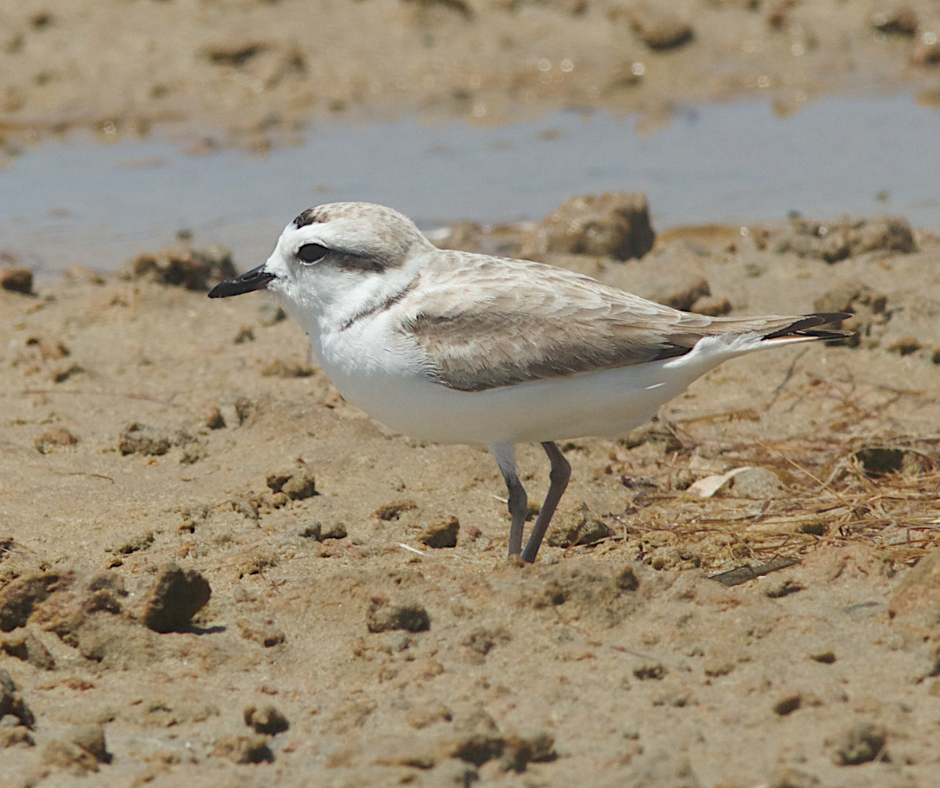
(249, 72)
(145, 425)
(158, 448)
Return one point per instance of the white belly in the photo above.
(607, 403)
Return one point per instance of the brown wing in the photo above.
(487, 323)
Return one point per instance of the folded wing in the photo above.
(489, 323)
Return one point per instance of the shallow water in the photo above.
(81, 202)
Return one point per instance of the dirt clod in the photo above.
(17, 280)
(582, 527)
(278, 368)
(519, 751)
(138, 438)
(26, 646)
(382, 616)
(441, 534)
(193, 269)
(614, 224)
(15, 735)
(136, 543)
(19, 598)
(880, 460)
(297, 485)
(214, 419)
(788, 704)
(905, 345)
(176, 597)
(661, 31)
(243, 749)
(394, 510)
(901, 21)
(860, 742)
(650, 670)
(11, 701)
(55, 438)
(839, 240)
(482, 640)
(267, 719)
(478, 748)
(916, 601)
(320, 533)
(756, 483)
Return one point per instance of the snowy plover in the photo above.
(453, 347)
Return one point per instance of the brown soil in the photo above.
(251, 72)
(143, 426)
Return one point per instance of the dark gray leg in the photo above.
(518, 504)
(559, 475)
(505, 456)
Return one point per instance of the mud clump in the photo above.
(213, 418)
(482, 640)
(382, 616)
(660, 32)
(55, 438)
(582, 528)
(845, 238)
(861, 742)
(243, 749)
(519, 751)
(138, 438)
(320, 533)
(686, 295)
(19, 598)
(268, 720)
(296, 485)
(80, 752)
(11, 701)
(394, 510)
(27, 647)
(878, 461)
(605, 596)
(442, 534)
(136, 544)
(176, 597)
(266, 62)
(71, 611)
(278, 368)
(515, 752)
(193, 269)
(756, 484)
(17, 280)
(916, 601)
(614, 224)
(896, 22)
(905, 346)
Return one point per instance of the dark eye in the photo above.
(311, 253)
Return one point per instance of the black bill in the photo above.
(255, 279)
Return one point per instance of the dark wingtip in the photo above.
(255, 279)
(807, 326)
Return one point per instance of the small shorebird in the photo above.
(454, 347)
